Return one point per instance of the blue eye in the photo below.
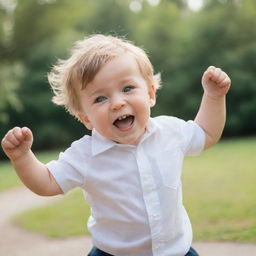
(128, 88)
(100, 99)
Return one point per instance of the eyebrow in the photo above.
(121, 82)
(95, 92)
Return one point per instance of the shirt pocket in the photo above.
(169, 164)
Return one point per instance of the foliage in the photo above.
(9, 76)
(181, 44)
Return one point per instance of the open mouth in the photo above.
(124, 122)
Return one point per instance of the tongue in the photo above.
(125, 123)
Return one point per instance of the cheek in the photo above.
(144, 110)
(99, 118)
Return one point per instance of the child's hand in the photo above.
(216, 82)
(17, 142)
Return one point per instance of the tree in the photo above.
(180, 43)
(9, 76)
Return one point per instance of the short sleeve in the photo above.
(69, 170)
(187, 136)
(194, 138)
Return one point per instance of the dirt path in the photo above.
(15, 241)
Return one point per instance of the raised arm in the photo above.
(34, 174)
(212, 112)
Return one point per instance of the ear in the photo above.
(84, 119)
(152, 95)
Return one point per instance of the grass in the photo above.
(67, 217)
(220, 192)
(9, 178)
(219, 195)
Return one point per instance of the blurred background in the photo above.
(182, 38)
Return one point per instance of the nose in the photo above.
(117, 102)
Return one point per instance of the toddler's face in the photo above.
(117, 102)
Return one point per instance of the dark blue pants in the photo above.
(192, 252)
(97, 252)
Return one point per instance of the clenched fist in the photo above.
(216, 82)
(17, 142)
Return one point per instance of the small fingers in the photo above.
(208, 74)
(217, 75)
(7, 144)
(214, 73)
(211, 68)
(26, 133)
(226, 81)
(13, 138)
(17, 132)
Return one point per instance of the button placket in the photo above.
(151, 200)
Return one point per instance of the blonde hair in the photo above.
(69, 76)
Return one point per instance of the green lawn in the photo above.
(219, 194)
(9, 178)
(66, 217)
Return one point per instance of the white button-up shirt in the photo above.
(134, 192)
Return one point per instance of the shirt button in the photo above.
(154, 217)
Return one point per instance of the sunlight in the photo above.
(135, 6)
(195, 5)
(154, 2)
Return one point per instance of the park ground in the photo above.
(16, 241)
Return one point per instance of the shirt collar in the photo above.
(101, 143)
(150, 129)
